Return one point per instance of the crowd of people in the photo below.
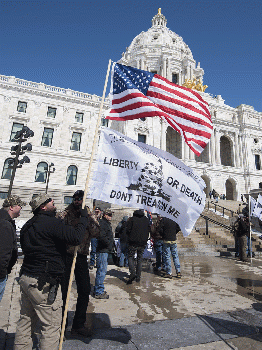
(50, 240)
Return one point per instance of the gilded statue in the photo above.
(195, 84)
(159, 11)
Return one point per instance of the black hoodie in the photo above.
(137, 229)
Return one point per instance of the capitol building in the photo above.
(64, 124)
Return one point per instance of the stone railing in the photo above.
(54, 89)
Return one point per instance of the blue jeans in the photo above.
(2, 286)
(249, 246)
(168, 250)
(93, 255)
(159, 254)
(100, 273)
(123, 261)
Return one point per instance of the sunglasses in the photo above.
(78, 199)
(109, 214)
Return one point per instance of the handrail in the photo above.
(230, 228)
(220, 206)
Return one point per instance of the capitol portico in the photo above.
(64, 123)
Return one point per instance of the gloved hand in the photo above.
(84, 212)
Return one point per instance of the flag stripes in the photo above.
(182, 108)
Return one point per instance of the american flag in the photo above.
(137, 93)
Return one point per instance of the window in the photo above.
(71, 175)
(79, 117)
(68, 200)
(47, 137)
(51, 112)
(141, 138)
(16, 127)
(21, 107)
(104, 122)
(143, 119)
(257, 162)
(154, 71)
(76, 141)
(174, 78)
(41, 172)
(260, 185)
(7, 171)
(3, 195)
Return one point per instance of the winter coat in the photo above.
(241, 226)
(71, 216)
(8, 245)
(168, 229)
(137, 229)
(43, 240)
(105, 241)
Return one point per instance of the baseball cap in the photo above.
(38, 200)
(108, 212)
(98, 208)
(13, 201)
(78, 193)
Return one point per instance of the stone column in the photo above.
(186, 152)
(142, 64)
(163, 136)
(241, 151)
(164, 67)
(183, 144)
(212, 148)
(191, 155)
(237, 163)
(217, 148)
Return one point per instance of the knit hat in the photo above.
(13, 201)
(38, 200)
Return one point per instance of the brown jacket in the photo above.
(71, 217)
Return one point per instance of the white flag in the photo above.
(252, 204)
(133, 174)
(258, 207)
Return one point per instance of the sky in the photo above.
(68, 44)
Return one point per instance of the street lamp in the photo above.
(17, 150)
(50, 169)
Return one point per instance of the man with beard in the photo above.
(43, 241)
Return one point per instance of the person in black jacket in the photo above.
(137, 230)
(105, 245)
(43, 241)
(242, 231)
(8, 247)
(168, 230)
(71, 216)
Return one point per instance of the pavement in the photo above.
(217, 304)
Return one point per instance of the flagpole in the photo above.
(83, 205)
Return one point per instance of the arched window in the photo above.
(7, 172)
(226, 154)
(174, 142)
(71, 175)
(41, 172)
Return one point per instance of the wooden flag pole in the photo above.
(83, 205)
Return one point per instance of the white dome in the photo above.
(159, 36)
